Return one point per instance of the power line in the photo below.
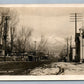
(75, 17)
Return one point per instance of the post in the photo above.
(11, 39)
(75, 34)
(67, 51)
(35, 51)
(70, 49)
(35, 45)
(75, 18)
(5, 35)
(75, 23)
(80, 45)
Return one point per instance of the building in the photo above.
(79, 46)
(77, 40)
(2, 51)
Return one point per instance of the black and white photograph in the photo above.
(40, 40)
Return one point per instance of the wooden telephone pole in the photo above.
(5, 35)
(67, 50)
(76, 17)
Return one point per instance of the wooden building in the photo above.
(80, 46)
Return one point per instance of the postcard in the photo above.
(42, 42)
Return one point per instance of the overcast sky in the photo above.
(53, 22)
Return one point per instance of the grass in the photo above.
(19, 68)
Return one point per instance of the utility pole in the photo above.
(11, 30)
(67, 50)
(75, 23)
(35, 51)
(71, 48)
(35, 45)
(71, 41)
(5, 35)
(75, 17)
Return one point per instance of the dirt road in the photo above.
(59, 68)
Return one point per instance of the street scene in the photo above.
(42, 41)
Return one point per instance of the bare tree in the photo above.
(23, 39)
(42, 44)
(64, 54)
(11, 24)
(13, 27)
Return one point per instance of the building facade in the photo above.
(79, 46)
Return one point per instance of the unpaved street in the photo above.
(60, 68)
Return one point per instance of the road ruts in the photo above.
(61, 70)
